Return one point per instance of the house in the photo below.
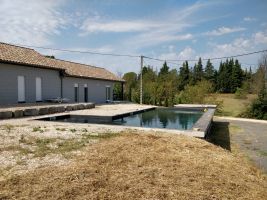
(28, 76)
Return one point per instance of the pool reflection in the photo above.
(162, 118)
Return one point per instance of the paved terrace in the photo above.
(113, 109)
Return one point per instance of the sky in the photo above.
(168, 30)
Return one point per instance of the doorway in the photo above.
(38, 83)
(21, 89)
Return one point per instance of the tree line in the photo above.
(164, 87)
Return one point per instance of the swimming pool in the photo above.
(169, 118)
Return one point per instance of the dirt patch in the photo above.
(143, 166)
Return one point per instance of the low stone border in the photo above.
(242, 119)
(203, 125)
(44, 110)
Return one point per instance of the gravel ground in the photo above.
(251, 139)
(27, 144)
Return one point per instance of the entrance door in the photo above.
(107, 93)
(38, 83)
(85, 93)
(21, 89)
(76, 92)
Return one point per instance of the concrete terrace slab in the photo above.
(113, 109)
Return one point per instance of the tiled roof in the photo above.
(26, 56)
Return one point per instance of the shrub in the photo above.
(258, 108)
(240, 93)
(195, 93)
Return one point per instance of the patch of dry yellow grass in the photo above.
(144, 166)
(232, 106)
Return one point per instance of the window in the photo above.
(76, 92)
(85, 93)
(107, 93)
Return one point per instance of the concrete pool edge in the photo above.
(204, 123)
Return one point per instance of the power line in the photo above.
(77, 51)
(220, 58)
(138, 56)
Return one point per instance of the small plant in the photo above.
(38, 128)
(240, 93)
(8, 127)
(84, 130)
(22, 139)
(60, 129)
(73, 130)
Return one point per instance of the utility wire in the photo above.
(137, 56)
(220, 58)
(77, 51)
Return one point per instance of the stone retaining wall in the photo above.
(44, 110)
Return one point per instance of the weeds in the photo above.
(8, 127)
(84, 130)
(38, 128)
(22, 139)
(61, 129)
(73, 130)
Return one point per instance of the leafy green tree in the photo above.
(195, 93)
(258, 108)
(131, 82)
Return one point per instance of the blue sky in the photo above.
(169, 29)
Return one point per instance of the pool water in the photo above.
(169, 118)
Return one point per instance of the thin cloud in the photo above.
(160, 29)
(249, 19)
(92, 26)
(260, 37)
(30, 22)
(224, 30)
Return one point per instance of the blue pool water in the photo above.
(169, 118)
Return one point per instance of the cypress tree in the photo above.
(236, 76)
(164, 70)
(184, 76)
(209, 71)
(199, 70)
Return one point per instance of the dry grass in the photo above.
(143, 166)
(232, 106)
